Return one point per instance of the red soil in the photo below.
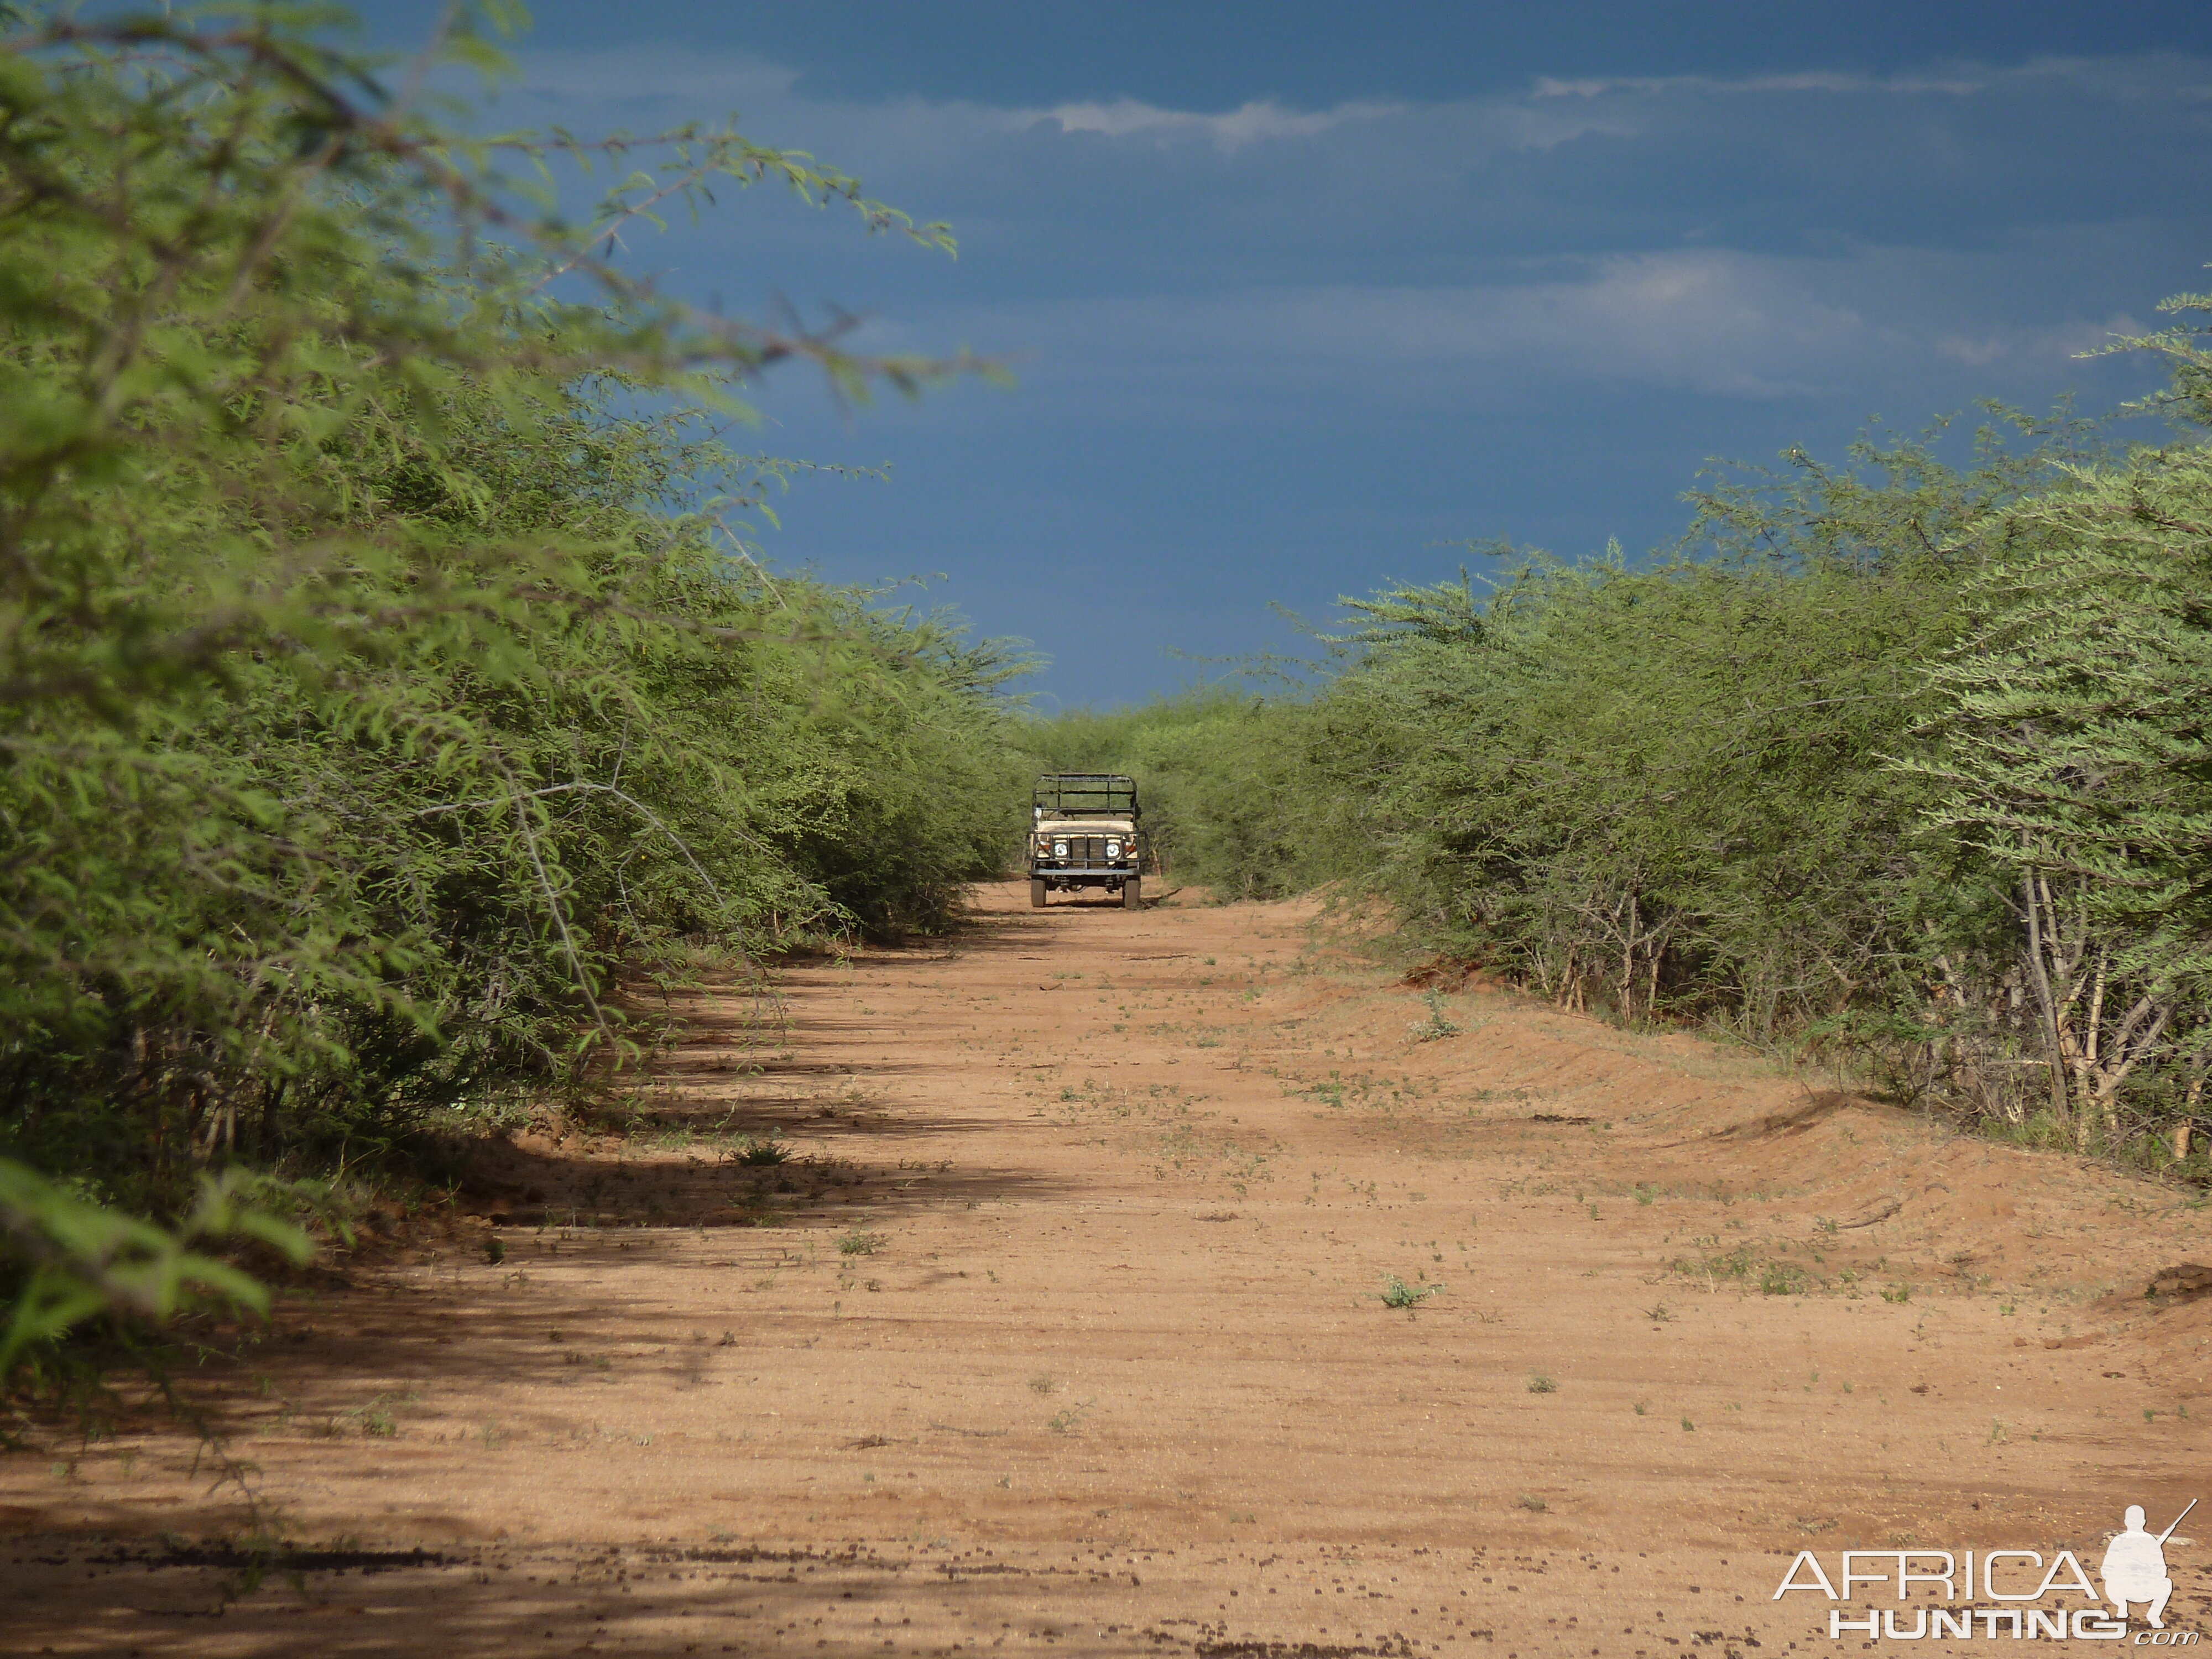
(1064, 1330)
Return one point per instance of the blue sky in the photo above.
(1301, 294)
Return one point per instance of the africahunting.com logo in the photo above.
(2015, 1582)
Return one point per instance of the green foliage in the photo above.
(1902, 743)
(1641, 786)
(387, 687)
(2077, 758)
(68, 1260)
(1669, 789)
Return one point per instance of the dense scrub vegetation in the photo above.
(386, 682)
(1904, 764)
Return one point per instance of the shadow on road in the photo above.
(496, 1600)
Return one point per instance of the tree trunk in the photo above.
(2039, 975)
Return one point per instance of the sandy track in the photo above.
(1067, 1333)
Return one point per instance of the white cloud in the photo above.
(1249, 124)
(1709, 321)
(1872, 327)
(2044, 347)
(1425, 241)
(1547, 87)
(1553, 110)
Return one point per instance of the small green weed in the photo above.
(1541, 1383)
(1436, 1025)
(1397, 1293)
(858, 1242)
(1070, 1419)
(757, 1152)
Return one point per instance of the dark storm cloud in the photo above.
(1529, 311)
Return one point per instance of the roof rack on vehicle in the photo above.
(1086, 792)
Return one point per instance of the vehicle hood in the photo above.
(1052, 826)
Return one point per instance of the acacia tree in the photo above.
(2077, 753)
(380, 675)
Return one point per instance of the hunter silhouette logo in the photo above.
(2133, 1572)
(2134, 1568)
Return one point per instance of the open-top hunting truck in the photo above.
(1084, 834)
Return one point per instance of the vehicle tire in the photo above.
(1132, 893)
(1036, 892)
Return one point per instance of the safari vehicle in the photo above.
(1084, 834)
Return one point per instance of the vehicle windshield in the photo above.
(1087, 795)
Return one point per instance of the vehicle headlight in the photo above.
(1060, 849)
(1113, 852)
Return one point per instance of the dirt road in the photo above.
(1066, 1327)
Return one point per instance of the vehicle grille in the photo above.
(1086, 850)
